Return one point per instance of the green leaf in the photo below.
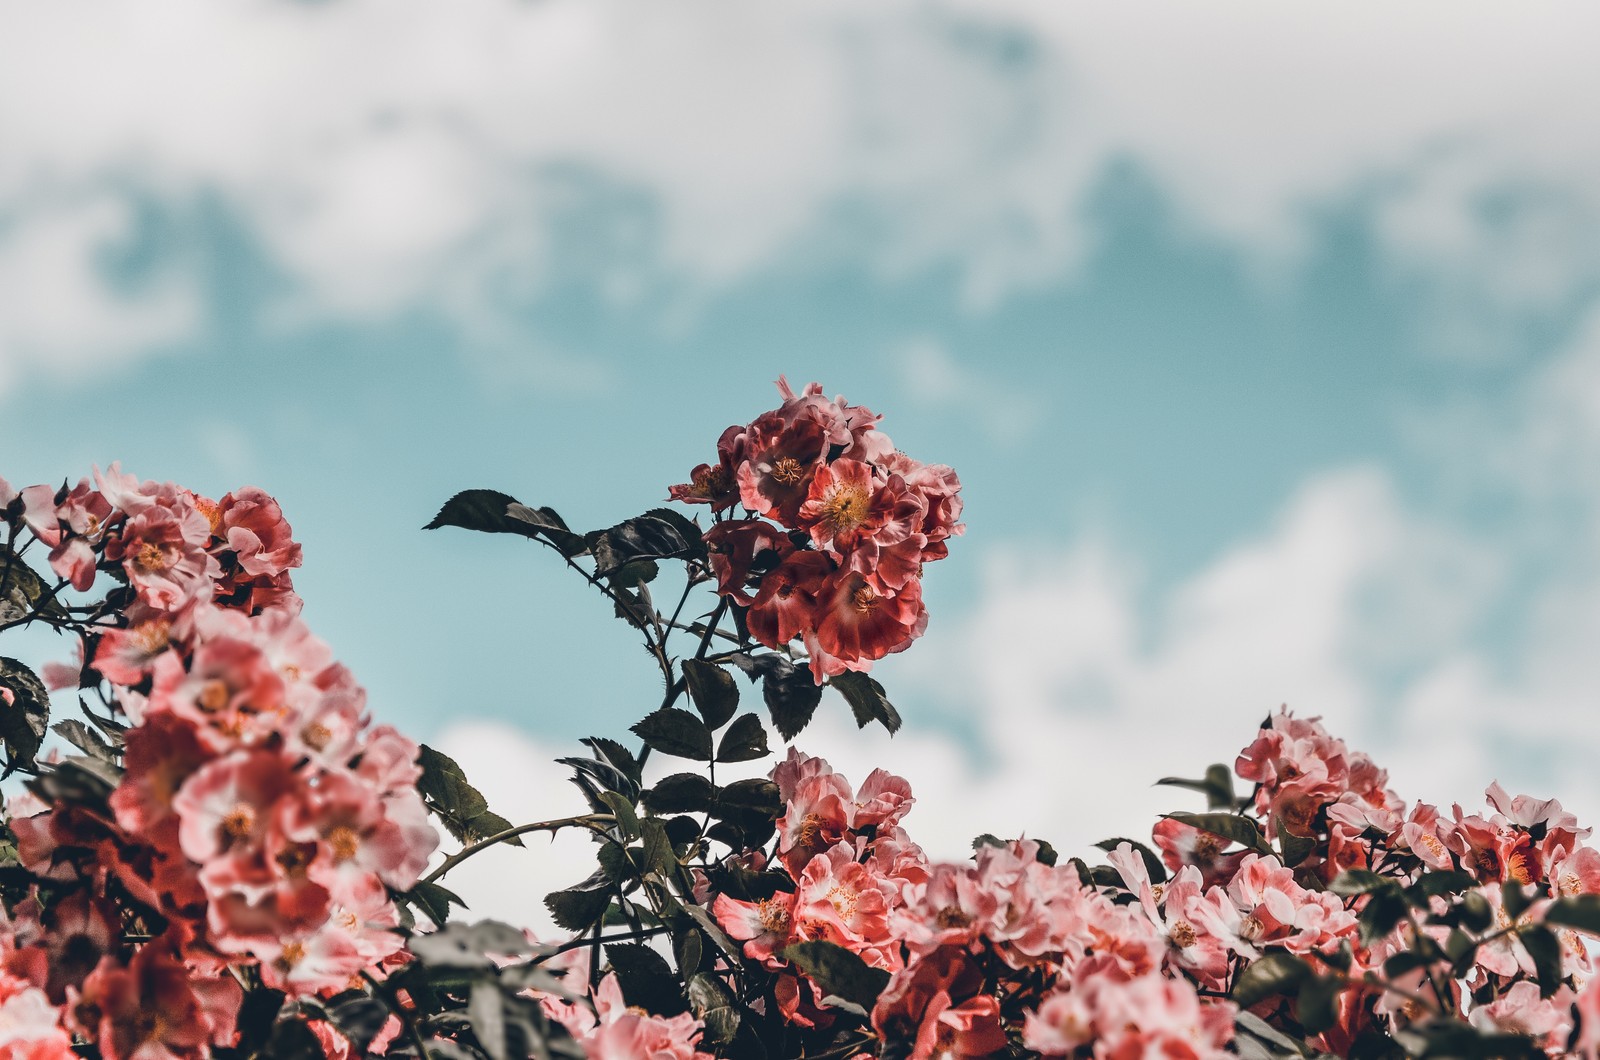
(715, 1007)
(838, 973)
(1545, 949)
(1581, 912)
(466, 947)
(676, 732)
(658, 853)
(1315, 1005)
(578, 907)
(647, 981)
(1241, 830)
(788, 690)
(622, 809)
(713, 691)
(1352, 882)
(745, 740)
(658, 534)
(680, 793)
(748, 802)
(1217, 786)
(358, 1015)
(1383, 912)
(23, 721)
(460, 807)
(1275, 973)
(486, 1010)
(85, 739)
(1476, 915)
(492, 512)
(615, 755)
(435, 900)
(1514, 899)
(23, 589)
(867, 700)
(1293, 848)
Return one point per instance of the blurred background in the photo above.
(1265, 338)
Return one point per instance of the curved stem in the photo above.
(588, 820)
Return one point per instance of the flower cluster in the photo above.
(1127, 960)
(1010, 945)
(254, 820)
(838, 525)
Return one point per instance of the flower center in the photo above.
(1517, 867)
(1435, 847)
(774, 917)
(863, 599)
(344, 842)
(152, 637)
(788, 471)
(292, 955)
(1182, 934)
(845, 507)
(1251, 929)
(295, 858)
(150, 558)
(316, 736)
(213, 696)
(239, 822)
(843, 900)
(1207, 846)
(1570, 884)
(952, 917)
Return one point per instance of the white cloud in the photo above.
(396, 153)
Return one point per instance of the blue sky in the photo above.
(1264, 343)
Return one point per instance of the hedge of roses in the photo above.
(224, 856)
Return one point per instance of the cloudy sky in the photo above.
(1265, 337)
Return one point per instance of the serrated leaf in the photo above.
(680, 793)
(838, 972)
(715, 1006)
(1241, 830)
(435, 900)
(745, 740)
(23, 589)
(1269, 975)
(25, 718)
(676, 732)
(615, 755)
(867, 700)
(712, 690)
(85, 739)
(460, 807)
(788, 690)
(577, 908)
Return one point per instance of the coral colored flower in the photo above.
(936, 1005)
(617, 1032)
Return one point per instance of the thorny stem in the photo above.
(589, 820)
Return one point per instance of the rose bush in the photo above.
(225, 856)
